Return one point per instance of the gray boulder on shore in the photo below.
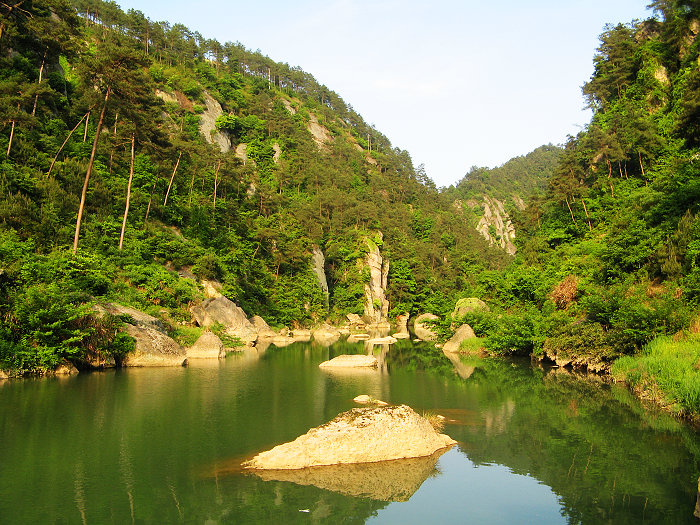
(423, 331)
(208, 346)
(462, 333)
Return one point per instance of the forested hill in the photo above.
(490, 197)
(135, 149)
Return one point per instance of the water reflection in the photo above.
(395, 480)
(130, 446)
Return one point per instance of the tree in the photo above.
(116, 70)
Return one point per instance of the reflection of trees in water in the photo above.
(591, 442)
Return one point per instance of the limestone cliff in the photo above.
(495, 225)
(319, 266)
(376, 303)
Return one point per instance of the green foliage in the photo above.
(667, 371)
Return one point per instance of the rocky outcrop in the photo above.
(462, 333)
(376, 304)
(208, 346)
(322, 137)
(208, 124)
(590, 363)
(422, 330)
(224, 311)
(495, 225)
(212, 289)
(351, 361)
(153, 346)
(319, 267)
(360, 435)
(263, 329)
(355, 320)
(65, 368)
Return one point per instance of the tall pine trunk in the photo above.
(89, 171)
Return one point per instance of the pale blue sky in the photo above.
(456, 83)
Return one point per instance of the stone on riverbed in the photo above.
(351, 361)
(360, 435)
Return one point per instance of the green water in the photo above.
(157, 446)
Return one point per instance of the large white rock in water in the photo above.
(421, 330)
(351, 361)
(360, 435)
(208, 346)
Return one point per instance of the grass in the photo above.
(187, 335)
(473, 345)
(436, 420)
(667, 372)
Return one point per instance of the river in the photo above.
(154, 446)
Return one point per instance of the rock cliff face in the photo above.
(208, 124)
(495, 225)
(319, 266)
(376, 304)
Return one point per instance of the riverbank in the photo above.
(666, 373)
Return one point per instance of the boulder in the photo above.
(468, 305)
(356, 338)
(153, 348)
(65, 368)
(351, 361)
(402, 322)
(281, 341)
(388, 340)
(360, 435)
(224, 311)
(421, 330)
(462, 333)
(3, 375)
(212, 289)
(326, 334)
(364, 399)
(301, 334)
(401, 335)
(264, 330)
(355, 320)
(208, 346)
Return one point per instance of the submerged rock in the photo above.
(365, 399)
(208, 346)
(388, 340)
(360, 435)
(351, 361)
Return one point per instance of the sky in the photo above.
(455, 83)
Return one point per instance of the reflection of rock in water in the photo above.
(395, 480)
(463, 370)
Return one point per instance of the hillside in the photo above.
(139, 153)
(490, 198)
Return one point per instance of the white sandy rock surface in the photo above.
(360, 435)
(351, 361)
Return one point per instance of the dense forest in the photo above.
(139, 152)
